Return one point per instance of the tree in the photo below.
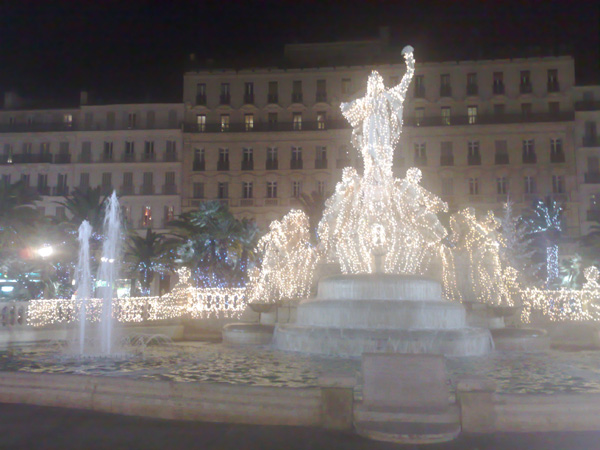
(313, 205)
(146, 256)
(18, 215)
(215, 245)
(86, 204)
(546, 224)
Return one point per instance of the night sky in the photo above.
(130, 50)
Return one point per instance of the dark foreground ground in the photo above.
(38, 427)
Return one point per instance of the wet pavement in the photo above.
(39, 427)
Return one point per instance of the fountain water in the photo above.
(84, 279)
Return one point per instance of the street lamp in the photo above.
(45, 251)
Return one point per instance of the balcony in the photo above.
(593, 215)
(170, 157)
(472, 89)
(147, 189)
(557, 157)
(127, 190)
(273, 98)
(106, 189)
(222, 165)
(60, 191)
(525, 88)
(447, 160)
(85, 158)
(420, 161)
(560, 197)
(553, 86)
(445, 91)
(247, 202)
(107, 157)
(224, 99)
(501, 158)
(249, 99)
(201, 99)
(63, 158)
(199, 166)
(474, 160)
(498, 88)
(271, 201)
(591, 141)
(269, 126)
(296, 164)
(28, 158)
(529, 158)
(248, 165)
(148, 157)
(297, 97)
(320, 163)
(587, 105)
(272, 164)
(591, 177)
(169, 189)
(43, 190)
(97, 126)
(489, 119)
(321, 97)
(129, 157)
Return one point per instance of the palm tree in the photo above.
(146, 256)
(86, 204)
(18, 215)
(313, 205)
(546, 223)
(215, 245)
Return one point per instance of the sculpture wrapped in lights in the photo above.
(401, 210)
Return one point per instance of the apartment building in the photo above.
(479, 130)
(133, 149)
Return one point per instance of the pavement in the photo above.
(41, 427)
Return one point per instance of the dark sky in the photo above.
(130, 49)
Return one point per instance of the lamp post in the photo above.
(45, 251)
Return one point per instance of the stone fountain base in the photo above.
(354, 314)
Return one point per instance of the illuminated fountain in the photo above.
(384, 234)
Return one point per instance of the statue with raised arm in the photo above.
(377, 119)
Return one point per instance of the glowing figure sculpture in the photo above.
(402, 211)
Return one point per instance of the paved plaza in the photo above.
(38, 427)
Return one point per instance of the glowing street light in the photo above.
(45, 251)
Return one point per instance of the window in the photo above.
(249, 122)
(529, 151)
(86, 152)
(498, 83)
(526, 109)
(201, 122)
(68, 120)
(473, 186)
(553, 85)
(107, 152)
(26, 149)
(556, 151)
(223, 162)
(502, 185)
(297, 121)
(525, 86)
(170, 188)
(42, 184)
(419, 86)
(131, 120)
(296, 189)
(248, 92)
(61, 185)
(420, 154)
(472, 87)
(321, 187)
(150, 119)
(271, 189)
(501, 154)
(247, 158)
(173, 122)
(223, 190)
(25, 180)
(273, 96)
(224, 122)
(529, 186)
(346, 86)
(473, 155)
(128, 179)
(201, 94)
(472, 114)
(110, 120)
(296, 162)
(129, 151)
(447, 186)
(271, 158)
(147, 217)
(553, 107)
(272, 120)
(558, 184)
(297, 91)
(247, 189)
(321, 117)
(149, 151)
(199, 163)
(445, 115)
(169, 213)
(106, 183)
(321, 157)
(171, 151)
(419, 116)
(84, 181)
(148, 183)
(447, 155)
(321, 91)
(445, 88)
(198, 190)
(225, 97)
(499, 109)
